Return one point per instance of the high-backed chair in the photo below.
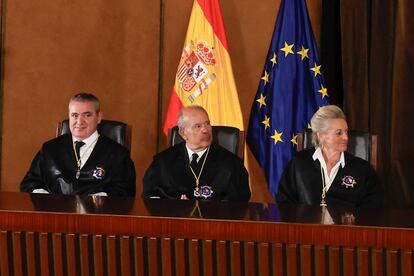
(117, 131)
(360, 144)
(230, 138)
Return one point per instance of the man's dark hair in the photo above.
(86, 97)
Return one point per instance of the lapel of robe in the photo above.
(69, 151)
(314, 180)
(216, 174)
(210, 167)
(318, 166)
(181, 170)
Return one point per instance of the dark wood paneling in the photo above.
(349, 261)
(57, 253)
(236, 261)
(208, 258)
(17, 253)
(139, 256)
(334, 261)
(306, 260)
(257, 261)
(84, 254)
(126, 256)
(48, 242)
(166, 246)
(279, 266)
(221, 258)
(263, 258)
(31, 257)
(407, 265)
(153, 264)
(111, 254)
(194, 261)
(180, 256)
(249, 262)
(4, 253)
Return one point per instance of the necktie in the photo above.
(78, 145)
(194, 164)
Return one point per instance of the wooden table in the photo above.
(86, 235)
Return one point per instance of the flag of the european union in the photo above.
(291, 89)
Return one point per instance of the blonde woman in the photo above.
(328, 174)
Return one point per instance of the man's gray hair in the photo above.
(182, 119)
(319, 121)
(86, 97)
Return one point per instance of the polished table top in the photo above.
(232, 211)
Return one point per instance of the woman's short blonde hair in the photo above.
(319, 121)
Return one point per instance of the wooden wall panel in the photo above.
(70, 254)
(17, 253)
(166, 245)
(208, 258)
(4, 254)
(305, 260)
(139, 256)
(30, 254)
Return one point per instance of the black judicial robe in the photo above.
(169, 175)
(108, 169)
(301, 183)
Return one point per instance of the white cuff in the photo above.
(100, 194)
(40, 191)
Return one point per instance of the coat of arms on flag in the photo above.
(193, 74)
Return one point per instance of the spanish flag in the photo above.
(205, 76)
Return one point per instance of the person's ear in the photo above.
(100, 115)
(181, 131)
(321, 137)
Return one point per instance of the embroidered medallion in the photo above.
(203, 191)
(98, 173)
(348, 181)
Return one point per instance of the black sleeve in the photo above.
(287, 191)
(123, 179)
(33, 179)
(152, 182)
(239, 189)
(374, 195)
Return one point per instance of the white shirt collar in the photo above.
(88, 140)
(318, 155)
(190, 153)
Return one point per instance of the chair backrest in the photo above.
(117, 131)
(360, 144)
(230, 138)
